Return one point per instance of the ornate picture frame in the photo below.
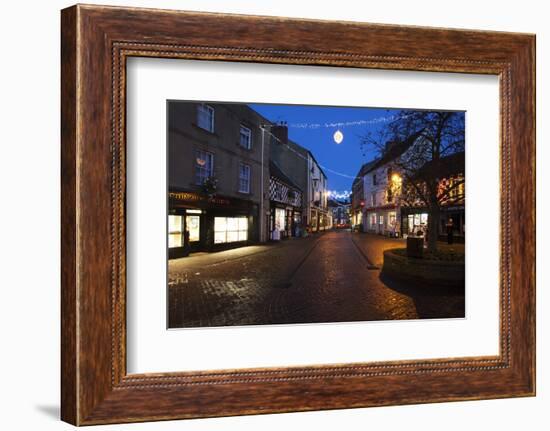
(96, 41)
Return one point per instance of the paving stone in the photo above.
(323, 278)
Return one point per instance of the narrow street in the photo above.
(328, 277)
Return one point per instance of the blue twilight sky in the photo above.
(345, 158)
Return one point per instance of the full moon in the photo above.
(338, 137)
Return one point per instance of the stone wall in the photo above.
(423, 271)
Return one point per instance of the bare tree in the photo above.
(423, 146)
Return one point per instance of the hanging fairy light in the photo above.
(338, 137)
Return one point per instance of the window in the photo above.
(204, 166)
(381, 220)
(374, 181)
(389, 195)
(280, 216)
(244, 178)
(230, 229)
(175, 231)
(245, 139)
(392, 219)
(373, 199)
(373, 219)
(205, 117)
(192, 224)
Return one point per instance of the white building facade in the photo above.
(382, 190)
(318, 214)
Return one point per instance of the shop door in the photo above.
(193, 224)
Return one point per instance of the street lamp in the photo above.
(396, 179)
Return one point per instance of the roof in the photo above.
(276, 171)
(395, 149)
(366, 167)
(444, 167)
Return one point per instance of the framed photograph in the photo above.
(283, 215)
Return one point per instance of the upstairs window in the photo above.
(374, 180)
(244, 178)
(204, 166)
(205, 117)
(245, 139)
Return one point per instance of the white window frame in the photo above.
(205, 109)
(247, 131)
(199, 177)
(373, 219)
(178, 231)
(221, 235)
(247, 179)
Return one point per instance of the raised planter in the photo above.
(422, 271)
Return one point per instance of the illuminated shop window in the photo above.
(392, 219)
(175, 231)
(230, 229)
(193, 226)
(280, 215)
(373, 219)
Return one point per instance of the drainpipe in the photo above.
(262, 215)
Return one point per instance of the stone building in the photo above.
(358, 202)
(318, 214)
(452, 186)
(286, 204)
(300, 166)
(386, 210)
(234, 177)
(217, 176)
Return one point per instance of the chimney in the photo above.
(280, 131)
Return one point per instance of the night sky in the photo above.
(345, 158)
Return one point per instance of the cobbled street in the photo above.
(328, 277)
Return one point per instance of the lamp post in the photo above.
(263, 127)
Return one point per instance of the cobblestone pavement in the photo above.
(329, 277)
(373, 246)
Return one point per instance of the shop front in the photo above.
(383, 221)
(201, 223)
(285, 221)
(414, 221)
(285, 203)
(415, 224)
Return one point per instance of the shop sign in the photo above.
(197, 198)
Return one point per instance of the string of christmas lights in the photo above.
(341, 124)
(338, 125)
(305, 158)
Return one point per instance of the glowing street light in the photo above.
(338, 137)
(396, 179)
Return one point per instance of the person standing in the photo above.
(449, 226)
(186, 243)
